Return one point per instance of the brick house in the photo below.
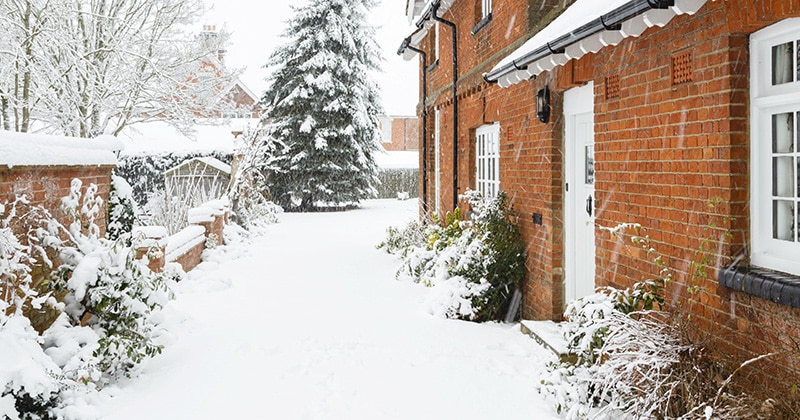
(243, 101)
(681, 116)
(400, 133)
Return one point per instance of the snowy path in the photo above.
(312, 325)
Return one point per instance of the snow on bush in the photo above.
(122, 209)
(28, 379)
(109, 289)
(252, 207)
(107, 324)
(631, 360)
(473, 267)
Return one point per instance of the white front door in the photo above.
(579, 246)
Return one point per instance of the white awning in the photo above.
(585, 26)
(425, 22)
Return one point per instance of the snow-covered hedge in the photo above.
(394, 181)
(473, 267)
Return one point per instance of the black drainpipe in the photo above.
(407, 44)
(455, 100)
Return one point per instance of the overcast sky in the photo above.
(256, 29)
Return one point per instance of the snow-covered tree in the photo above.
(323, 107)
(84, 67)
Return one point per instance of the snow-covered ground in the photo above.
(308, 322)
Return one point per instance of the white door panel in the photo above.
(579, 244)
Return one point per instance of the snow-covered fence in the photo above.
(205, 230)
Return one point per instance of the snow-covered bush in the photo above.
(646, 367)
(252, 207)
(122, 209)
(29, 385)
(109, 290)
(30, 381)
(632, 360)
(472, 266)
(253, 210)
(106, 322)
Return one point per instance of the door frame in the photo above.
(577, 102)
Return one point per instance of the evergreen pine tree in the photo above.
(323, 107)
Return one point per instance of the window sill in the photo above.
(485, 21)
(433, 66)
(777, 287)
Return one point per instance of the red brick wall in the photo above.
(664, 152)
(405, 134)
(191, 258)
(47, 185)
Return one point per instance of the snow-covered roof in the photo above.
(207, 160)
(422, 9)
(24, 149)
(414, 8)
(161, 137)
(585, 26)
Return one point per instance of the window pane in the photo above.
(783, 133)
(589, 172)
(783, 215)
(783, 177)
(782, 63)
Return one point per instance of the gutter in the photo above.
(431, 14)
(611, 21)
(452, 26)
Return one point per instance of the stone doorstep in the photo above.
(549, 335)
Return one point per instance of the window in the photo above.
(386, 129)
(775, 147)
(483, 15)
(487, 160)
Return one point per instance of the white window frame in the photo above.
(486, 7)
(487, 160)
(386, 130)
(436, 43)
(767, 100)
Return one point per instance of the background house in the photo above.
(677, 116)
(399, 162)
(400, 133)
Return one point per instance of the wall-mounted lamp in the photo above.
(543, 104)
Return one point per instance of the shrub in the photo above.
(103, 287)
(122, 209)
(473, 266)
(635, 361)
(108, 288)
